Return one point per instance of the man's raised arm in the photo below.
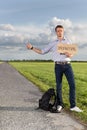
(29, 46)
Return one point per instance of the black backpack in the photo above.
(48, 100)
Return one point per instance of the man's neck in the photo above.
(60, 38)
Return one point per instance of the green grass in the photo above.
(42, 74)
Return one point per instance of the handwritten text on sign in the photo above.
(70, 48)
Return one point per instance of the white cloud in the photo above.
(76, 32)
(65, 22)
(16, 36)
(6, 27)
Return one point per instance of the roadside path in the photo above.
(18, 103)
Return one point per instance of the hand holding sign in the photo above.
(67, 48)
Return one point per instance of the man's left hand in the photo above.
(68, 54)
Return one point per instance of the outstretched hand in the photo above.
(29, 46)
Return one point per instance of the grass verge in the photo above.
(42, 74)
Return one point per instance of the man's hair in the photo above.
(58, 26)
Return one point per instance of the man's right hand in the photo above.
(29, 46)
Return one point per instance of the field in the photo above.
(42, 74)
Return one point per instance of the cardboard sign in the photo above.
(70, 48)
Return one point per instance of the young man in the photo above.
(62, 66)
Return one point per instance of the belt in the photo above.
(62, 62)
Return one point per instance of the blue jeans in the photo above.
(67, 70)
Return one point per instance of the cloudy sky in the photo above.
(35, 20)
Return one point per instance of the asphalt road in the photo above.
(18, 103)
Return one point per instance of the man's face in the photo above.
(60, 33)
